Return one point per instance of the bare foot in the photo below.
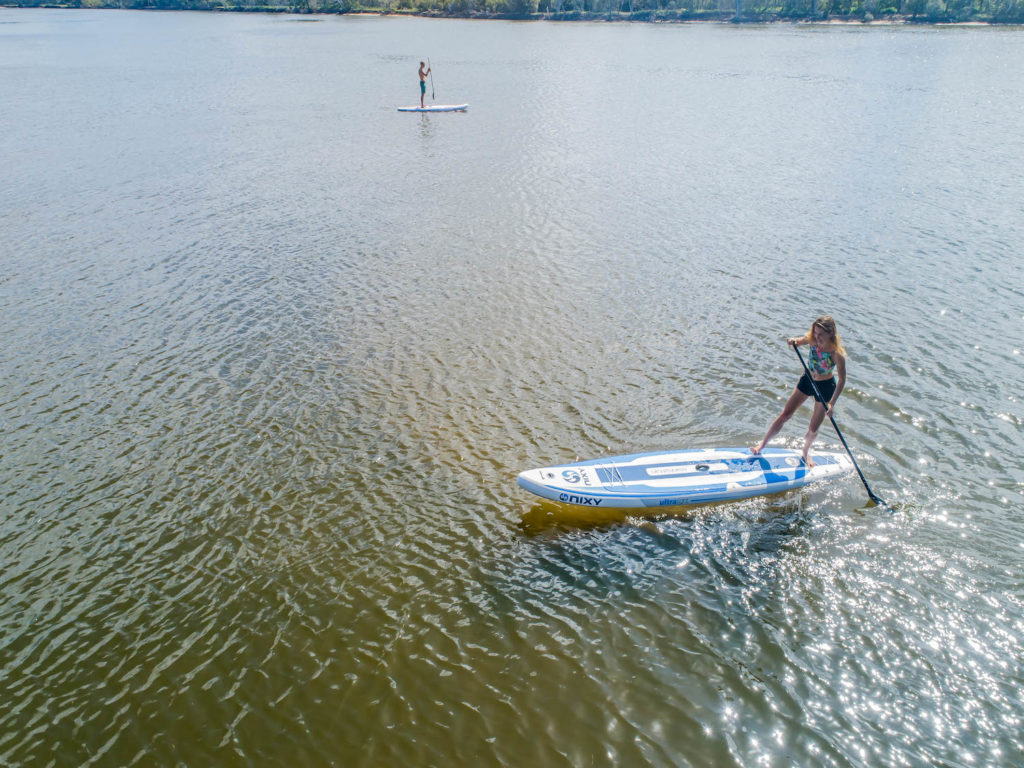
(808, 461)
(755, 450)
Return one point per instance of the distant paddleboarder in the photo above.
(826, 361)
(423, 83)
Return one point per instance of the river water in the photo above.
(273, 354)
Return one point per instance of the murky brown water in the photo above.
(274, 353)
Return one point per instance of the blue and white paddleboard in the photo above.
(436, 108)
(670, 478)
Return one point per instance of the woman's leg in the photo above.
(795, 401)
(812, 431)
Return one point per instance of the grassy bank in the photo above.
(863, 11)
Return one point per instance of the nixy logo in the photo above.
(586, 501)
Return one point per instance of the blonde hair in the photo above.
(828, 325)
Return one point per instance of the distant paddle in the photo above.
(814, 385)
(430, 69)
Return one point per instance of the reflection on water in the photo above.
(274, 354)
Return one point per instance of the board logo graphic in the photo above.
(586, 501)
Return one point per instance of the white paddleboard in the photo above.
(671, 478)
(437, 108)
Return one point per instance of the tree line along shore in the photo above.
(864, 11)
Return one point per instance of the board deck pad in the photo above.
(436, 108)
(671, 478)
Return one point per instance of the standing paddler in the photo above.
(826, 364)
(423, 83)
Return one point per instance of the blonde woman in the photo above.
(826, 362)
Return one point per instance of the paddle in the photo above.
(431, 69)
(814, 385)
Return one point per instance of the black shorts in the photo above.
(827, 388)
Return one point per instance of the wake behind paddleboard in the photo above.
(437, 108)
(671, 478)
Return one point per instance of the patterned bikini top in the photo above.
(820, 363)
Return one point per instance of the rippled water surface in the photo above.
(273, 354)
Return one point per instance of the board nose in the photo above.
(530, 477)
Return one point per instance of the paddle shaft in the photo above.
(835, 426)
(431, 68)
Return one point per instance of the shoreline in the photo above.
(641, 17)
